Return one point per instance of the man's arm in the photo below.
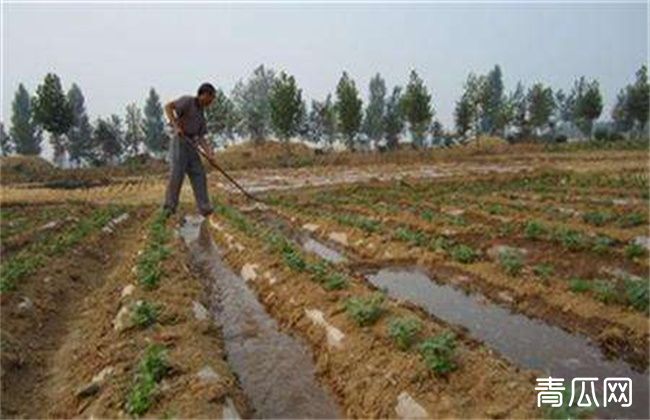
(170, 112)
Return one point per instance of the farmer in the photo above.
(185, 115)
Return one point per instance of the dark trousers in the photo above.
(183, 158)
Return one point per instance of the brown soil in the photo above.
(369, 372)
(53, 350)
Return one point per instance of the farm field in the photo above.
(427, 289)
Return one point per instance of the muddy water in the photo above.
(526, 342)
(275, 370)
(320, 249)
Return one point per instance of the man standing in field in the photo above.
(185, 114)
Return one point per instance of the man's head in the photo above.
(205, 94)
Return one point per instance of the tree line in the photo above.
(271, 104)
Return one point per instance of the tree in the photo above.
(394, 118)
(373, 123)
(472, 103)
(588, 104)
(106, 140)
(80, 133)
(155, 137)
(541, 105)
(24, 133)
(633, 105)
(464, 115)
(134, 135)
(118, 135)
(623, 120)
(518, 107)
(252, 103)
(286, 105)
(416, 105)
(564, 105)
(53, 111)
(639, 99)
(221, 116)
(348, 109)
(5, 141)
(322, 121)
(493, 103)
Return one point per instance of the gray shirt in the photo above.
(190, 116)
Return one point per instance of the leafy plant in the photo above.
(151, 369)
(605, 291)
(597, 218)
(602, 243)
(579, 285)
(335, 281)
(463, 254)
(365, 311)
(634, 250)
(438, 353)
(495, 209)
(637, 293)
(511, 261)
(544, 270)
(404, 331)
(145, 314)
(631, 220)
(416, 238)
(571, 239)
(534, 229)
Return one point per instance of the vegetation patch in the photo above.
(365, 310)
(404, 331)
(438, 353)
(148, 266)
(152, 368)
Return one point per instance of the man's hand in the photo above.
(207, 148)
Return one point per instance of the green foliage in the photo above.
(292, 258)
(495, 208)
(427, 215)
(33, 256)
(578, 285)
(148, 266)
(335, 281)
(363, 223)
(373, 123)
(348, 109)
(145, 314)
(416, 106)
(511, 261)
(51, 107)
(570, 239)
(16, 268)
(541, 104)
(365, 310)
(252, 103)
(24, 131)
(604, 290)
(543, 270)
(221, 116)
(631, 220)
(463, 254)
(438, 353)
(597, 218)
(634, 250)
(152, 368)
(602, 244)
(404, 331)
(588, 104)
(535, 229)
(394, 118)
(637, 292)
(287, 107)
(154, 127)
(416, 238)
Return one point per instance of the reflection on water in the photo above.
(527, 342)
(274, 369)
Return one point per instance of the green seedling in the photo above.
(578, 285)
(145, 314)
(404, 331)
(463, 254)
(535, 229)
(365, 311)
(438, 353)
(151, 369)
(511, 261)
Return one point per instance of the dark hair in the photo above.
(206, 88)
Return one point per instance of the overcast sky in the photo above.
(115, 52)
